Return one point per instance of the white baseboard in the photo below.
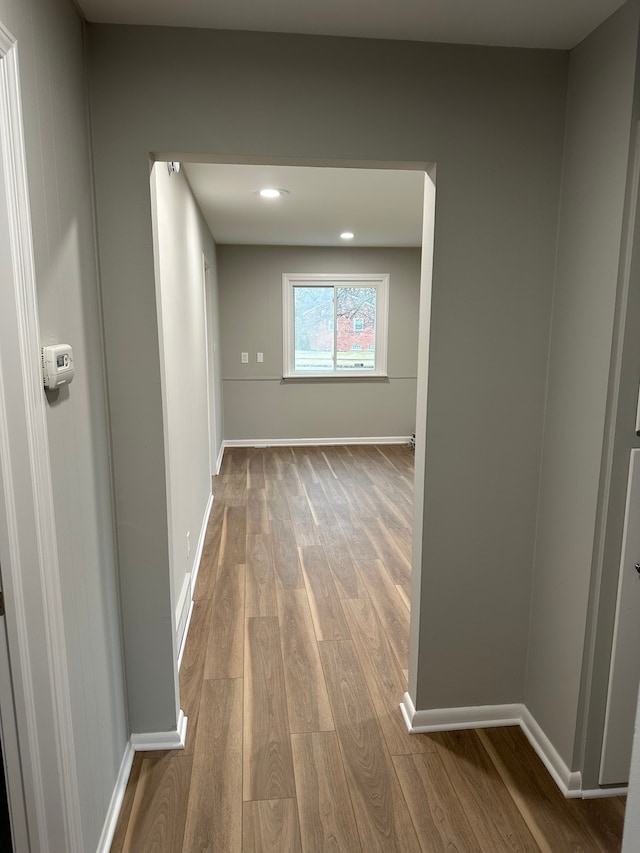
(173, 739)
(569, 781)
(487, 716)
(600, 793)
(452, 719)
(200, 546)
(113, 812)
(137, 743)
(185, 601)
(185, 634)
(182, 609)
(219, 459)
(307, 442)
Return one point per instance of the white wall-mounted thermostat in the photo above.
(57, 365)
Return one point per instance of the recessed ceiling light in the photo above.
(272, 192)
(347, 235)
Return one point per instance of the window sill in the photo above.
(357, 377)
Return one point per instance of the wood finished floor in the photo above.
(294, 667)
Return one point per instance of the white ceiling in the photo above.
(512, 23)
(382, 208)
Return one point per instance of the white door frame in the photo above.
(28, 547)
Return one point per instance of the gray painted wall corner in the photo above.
(595, 177)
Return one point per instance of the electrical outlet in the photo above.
(244, 357)
(188, 544)
(259, 357)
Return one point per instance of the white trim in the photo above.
(601, 793)
(59, 744)
(173, 739)
(312, 442)
(220, 456)
(183, 642)
(408, 710)
(113, 812)
(490, 716)
(380, 281)
(200, 546)
(182, 610)
(185, 602)
(452, 719)
(569, 781)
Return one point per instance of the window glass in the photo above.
(313, 319)
(335, 325)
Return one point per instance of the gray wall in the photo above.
(600, 101)
(52, 76)
(620, 437)
(181, 239)
(493, 121)
(257, 404)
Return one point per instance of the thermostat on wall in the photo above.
(57, 365)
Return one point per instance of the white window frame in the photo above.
(378, 280)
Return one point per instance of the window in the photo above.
(323, 313)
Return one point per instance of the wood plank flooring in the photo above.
(292, 675)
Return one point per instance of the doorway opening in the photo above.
(215, 210)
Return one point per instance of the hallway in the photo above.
(293, 671)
